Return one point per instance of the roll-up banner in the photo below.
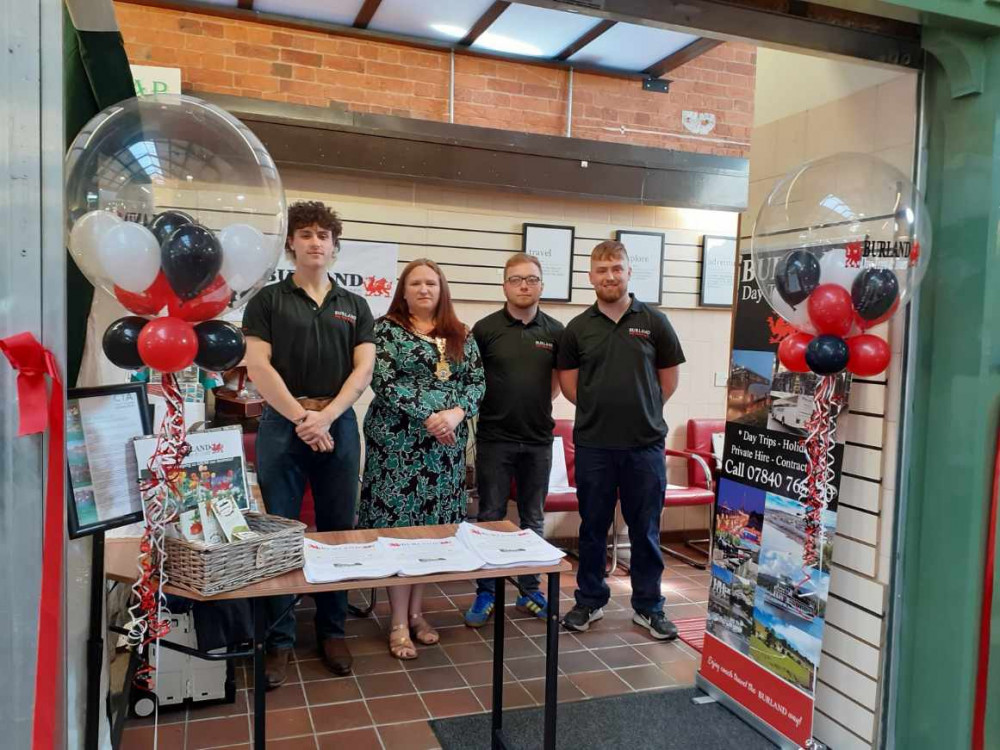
(770, 564)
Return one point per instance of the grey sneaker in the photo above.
(657, 624)
(579, 618)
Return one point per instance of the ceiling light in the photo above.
(487, 40)
(456, 32)
(500, 43)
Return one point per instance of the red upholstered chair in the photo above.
(568, 502)
(308, 512)
(700, 487)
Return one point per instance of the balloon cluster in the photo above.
(834, 312)
(838, 247)
(179, 265)
(128, 171)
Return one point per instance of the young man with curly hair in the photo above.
(310, 352)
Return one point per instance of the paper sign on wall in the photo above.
(152, 79)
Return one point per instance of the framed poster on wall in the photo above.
(103, 477)
(718, 271)
(553, 246)
(645, 254)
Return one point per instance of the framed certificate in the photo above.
(553, 246)
(645, 254)
(103, 479)
(718, 271)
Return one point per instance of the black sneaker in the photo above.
(657, 624)
(579, 618)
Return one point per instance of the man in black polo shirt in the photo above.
(518, 344)
(619, 365)
(310, 352)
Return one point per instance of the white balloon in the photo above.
(130, 256)
(247, 255)
(833, 269)
(85, 239)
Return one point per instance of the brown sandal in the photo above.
(400, 644)
(422, 631)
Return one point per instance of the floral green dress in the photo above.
(410, 478)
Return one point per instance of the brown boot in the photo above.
(336, 656)
(276, 667)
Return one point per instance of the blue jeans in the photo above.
(638, 477)
(284, 465)
(528, 465)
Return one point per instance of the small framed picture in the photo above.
(553, 246)
(718, 271)
(645, 255)
(103, 477)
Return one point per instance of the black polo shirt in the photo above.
(312, 346)
(619, 401)
(519, 360)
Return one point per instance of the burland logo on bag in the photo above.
(641, 333)
(346, 316)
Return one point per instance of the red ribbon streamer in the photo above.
(33, 362)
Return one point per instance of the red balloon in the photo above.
(168, 344)
(831, 309)
(149, 302)
(869, 355)
(211, 302)
(864, 325)
(792, 351)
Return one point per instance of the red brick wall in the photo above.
(219, 55)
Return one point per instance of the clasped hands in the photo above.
(442, 424)
(314, 430)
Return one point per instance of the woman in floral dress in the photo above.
(428, 381)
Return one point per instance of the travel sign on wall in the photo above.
(771, 558)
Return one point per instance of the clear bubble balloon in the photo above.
(848, 220)
(157, 164)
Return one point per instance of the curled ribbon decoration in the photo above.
(818, 489)
(150, 618)
(34, 363)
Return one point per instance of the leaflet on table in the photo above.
(330, 563)
(508, 549)
(422, 557)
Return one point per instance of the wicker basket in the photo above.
(214, 569)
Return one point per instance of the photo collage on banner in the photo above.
(767, 604)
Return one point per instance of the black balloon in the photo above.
(121, 342)
(164, 224)
(874, 292)
(191, 258)
(827, 355)
(221, 345)
(796, 276)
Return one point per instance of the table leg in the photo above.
(499, 615)
(551, 663)
(259, 686)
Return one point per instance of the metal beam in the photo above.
(585, 39)
(786, 23)
(322, 27)
(682, 56)
(318, 138)
(366, 14)
(485, 21)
